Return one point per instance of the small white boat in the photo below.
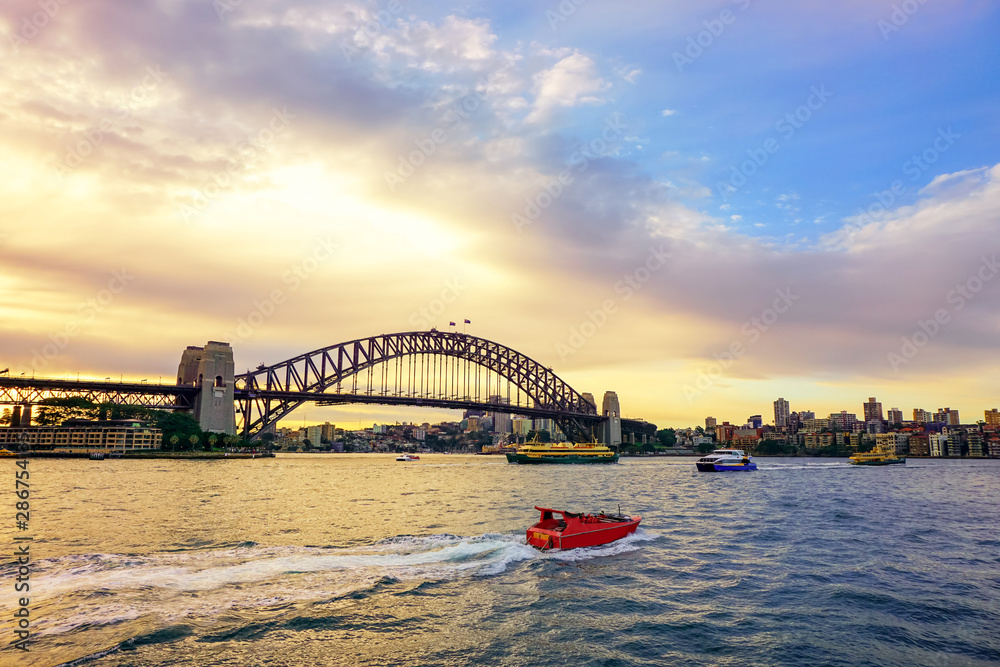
(407, 457)
(722, 460)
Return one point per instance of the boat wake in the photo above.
(204, 588)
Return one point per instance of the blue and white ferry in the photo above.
(722, 460)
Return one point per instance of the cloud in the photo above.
(570, 82)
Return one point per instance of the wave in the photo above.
(83, 591)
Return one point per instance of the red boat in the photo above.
(579, 530)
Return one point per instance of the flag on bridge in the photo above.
(468, 322)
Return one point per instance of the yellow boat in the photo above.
(6, 453)
(875, 458)
(563, 452)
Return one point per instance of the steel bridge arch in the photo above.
(269, 393)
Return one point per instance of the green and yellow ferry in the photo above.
(877, 457)
(562, 452)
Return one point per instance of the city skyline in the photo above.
(692, 206)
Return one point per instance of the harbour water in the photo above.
(362, 560)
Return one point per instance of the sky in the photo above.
(701, 206)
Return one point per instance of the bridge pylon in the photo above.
(211, 369)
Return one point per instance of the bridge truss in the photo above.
(32, 391)
(426, 368)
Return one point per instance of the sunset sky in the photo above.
(702, 206)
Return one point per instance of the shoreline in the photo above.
(145, 455)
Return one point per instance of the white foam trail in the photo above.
(436, 557)
(179, 587)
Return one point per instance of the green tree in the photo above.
(175, 423)
(5, 417)
(118, 411)
(307, 444)
(771, 448)
(54, 411)
(544, 436)
(667, 437)
(174, 441)
(194, 441)
(706, 447)
(212, 439)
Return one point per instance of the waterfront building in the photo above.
(874, 426)
(83, 436)
(544, 425)
(697, 440)
(781, 413)
(817, 440)
(922, 416)
(937, 444)
(895, 443)
(994, 447)
(473, 424)
(521, 426)
(710, 423)
(843, 421)
(856, 440)
(724, 433)
(895, 416)
(948, 416)
(976, 444)
(919, 445)
(872, 409)
(954, 443)
(813, 425)
(993, 418)
(315, 434)
(501, 420)
(747, 442)
(329, 431)
(793, 422)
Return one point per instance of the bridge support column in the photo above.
(613, 425)
(212, 370)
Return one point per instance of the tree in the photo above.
(174, 440)
(212, 439)
(175, 423)
(118, 411)
(54, 411)
(5, 417)
(770, 448)
(706, 447)
(307, 444)
(667, 437)
(194, 441)
(544, 436)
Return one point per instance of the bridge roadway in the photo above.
(31, 391)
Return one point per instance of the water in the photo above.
(362, 560)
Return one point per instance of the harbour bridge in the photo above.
(418, 368)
